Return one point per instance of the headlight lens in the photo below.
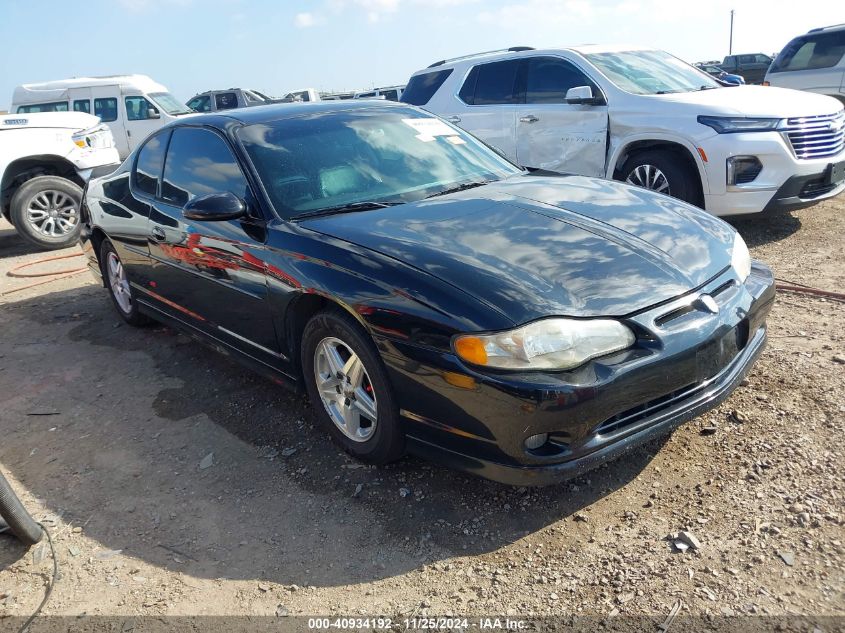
(547, 344)
(734, 124)
(741, 258)
(97, 137)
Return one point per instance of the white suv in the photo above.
(645, 117)
(814, 61)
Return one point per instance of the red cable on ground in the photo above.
(836, 296)
(54, 275)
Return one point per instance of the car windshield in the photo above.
(169, 104)
(651, 72)
(328, 161)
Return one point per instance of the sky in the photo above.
(278, 46)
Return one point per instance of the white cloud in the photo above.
(306, 19)
(141, 6)
(377, 10)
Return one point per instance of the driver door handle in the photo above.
(158, 234)
(529, 118)
(454, 119)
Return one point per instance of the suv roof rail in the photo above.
(825, 28)
(512, 49)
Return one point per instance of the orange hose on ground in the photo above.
(54, 275)
(13, 272)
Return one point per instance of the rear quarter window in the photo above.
(421, 88)
(150, 161)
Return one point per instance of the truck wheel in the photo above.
(662, 172)
(45, 212)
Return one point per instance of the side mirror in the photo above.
(580, 95)
(152, 113)
(215, 207)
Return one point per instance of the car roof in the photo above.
(527, 51)
(277, 111)
(827, 29)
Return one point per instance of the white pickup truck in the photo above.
(45, 160)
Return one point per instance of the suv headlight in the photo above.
(546, 344)
(741, 258)
(734, 124)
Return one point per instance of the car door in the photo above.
(490, 94)
(553, 134)
(210, 274)
(142, 118)
(753, 68)
(106, 107)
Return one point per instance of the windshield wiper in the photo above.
(462, 187)
(709, 87)
(351, 207)
(666, 92)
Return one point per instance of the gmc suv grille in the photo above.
(816, 136)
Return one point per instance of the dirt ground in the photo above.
(106, 433)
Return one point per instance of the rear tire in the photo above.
(120, 291)
(348, 387)
(663, 172)
(45, 211)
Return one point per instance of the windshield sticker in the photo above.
(429, 128)
(456, 140)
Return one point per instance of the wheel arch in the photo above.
(23, 169)
(681, 147)
(301, 310)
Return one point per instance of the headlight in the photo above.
(546, 344)
(97, 137)
(741, 258)
(733, 124)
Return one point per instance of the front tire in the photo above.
(45, 210)
(349, 390)
(120, 290)
(663, 172)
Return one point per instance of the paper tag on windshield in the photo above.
(429, 128)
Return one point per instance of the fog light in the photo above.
(743, 169)
(533, 442)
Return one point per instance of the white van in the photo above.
(131, 105)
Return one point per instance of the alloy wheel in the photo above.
(53, 213)
(345, 389)
(119, 283)
(649, 177)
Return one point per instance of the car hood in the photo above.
(756, 101)
(532, 247)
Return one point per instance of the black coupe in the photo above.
(429, 295)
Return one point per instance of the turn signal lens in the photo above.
(471, 349)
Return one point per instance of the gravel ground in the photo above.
(174, 482)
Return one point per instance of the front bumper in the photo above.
(780, 184)
(686, 361)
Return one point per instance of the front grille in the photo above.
(635, 414)
(816, 136)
